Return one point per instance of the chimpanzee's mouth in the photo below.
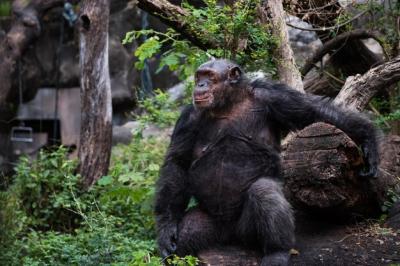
(202, 98)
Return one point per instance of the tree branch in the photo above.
(172, 15)
(358, 90)
(335, 43)
(335, 27)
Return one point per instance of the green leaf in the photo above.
(154, 167)
(105, 180)
(148, 49)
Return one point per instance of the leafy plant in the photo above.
(114, 220)
(5, 8)
(234, 28)
(159, 110)
(186, 261)
(46, 189)
(393, 196)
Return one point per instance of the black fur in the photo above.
(231, 166)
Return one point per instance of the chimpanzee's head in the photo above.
(217, 84)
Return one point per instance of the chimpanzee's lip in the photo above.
(202, 98)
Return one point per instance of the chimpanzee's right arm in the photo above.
(172, 195)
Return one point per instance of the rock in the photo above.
(304, 43)
(39, 61)
(177, 92)
(121, 135)
(124, 134)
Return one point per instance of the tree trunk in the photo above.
(25, 28)
(272, 12)
(96, 127)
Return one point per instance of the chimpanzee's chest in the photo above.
(228, 157)
(252, 128)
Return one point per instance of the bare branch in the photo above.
(358, 90)
(336, 43)
(335, 27)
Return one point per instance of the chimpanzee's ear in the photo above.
(234, 74)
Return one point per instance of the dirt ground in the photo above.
(363, 243)
(319, 242)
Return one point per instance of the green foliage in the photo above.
(160, 110)
(393, 196)
(389, 110)
(12, 219)
(5, 8)
(234, 30)
(46, 188)
(394, 116)
(182, 57)
(113, 223)
(186, 261)
(237, 31)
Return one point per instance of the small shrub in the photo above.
(393, 196)
(159, 110)
(46, 189)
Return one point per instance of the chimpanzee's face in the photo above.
(208, 87)
(214, 84)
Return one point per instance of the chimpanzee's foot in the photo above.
(280, 258)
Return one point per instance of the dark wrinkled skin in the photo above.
(224, 152)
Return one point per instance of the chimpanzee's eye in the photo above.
(213, 79)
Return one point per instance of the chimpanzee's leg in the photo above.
(267, 219)
(197, 231)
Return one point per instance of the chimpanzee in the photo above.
(224, 152)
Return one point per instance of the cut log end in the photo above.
(321, 165)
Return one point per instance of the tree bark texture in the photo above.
(272, 12)
(358, 90)
(24, 29)
(96, 124)
(321, 166)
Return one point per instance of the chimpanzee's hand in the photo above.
(167, 238)
(371, 162)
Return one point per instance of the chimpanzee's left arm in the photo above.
(294, 110)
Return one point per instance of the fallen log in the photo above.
(321, 165)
